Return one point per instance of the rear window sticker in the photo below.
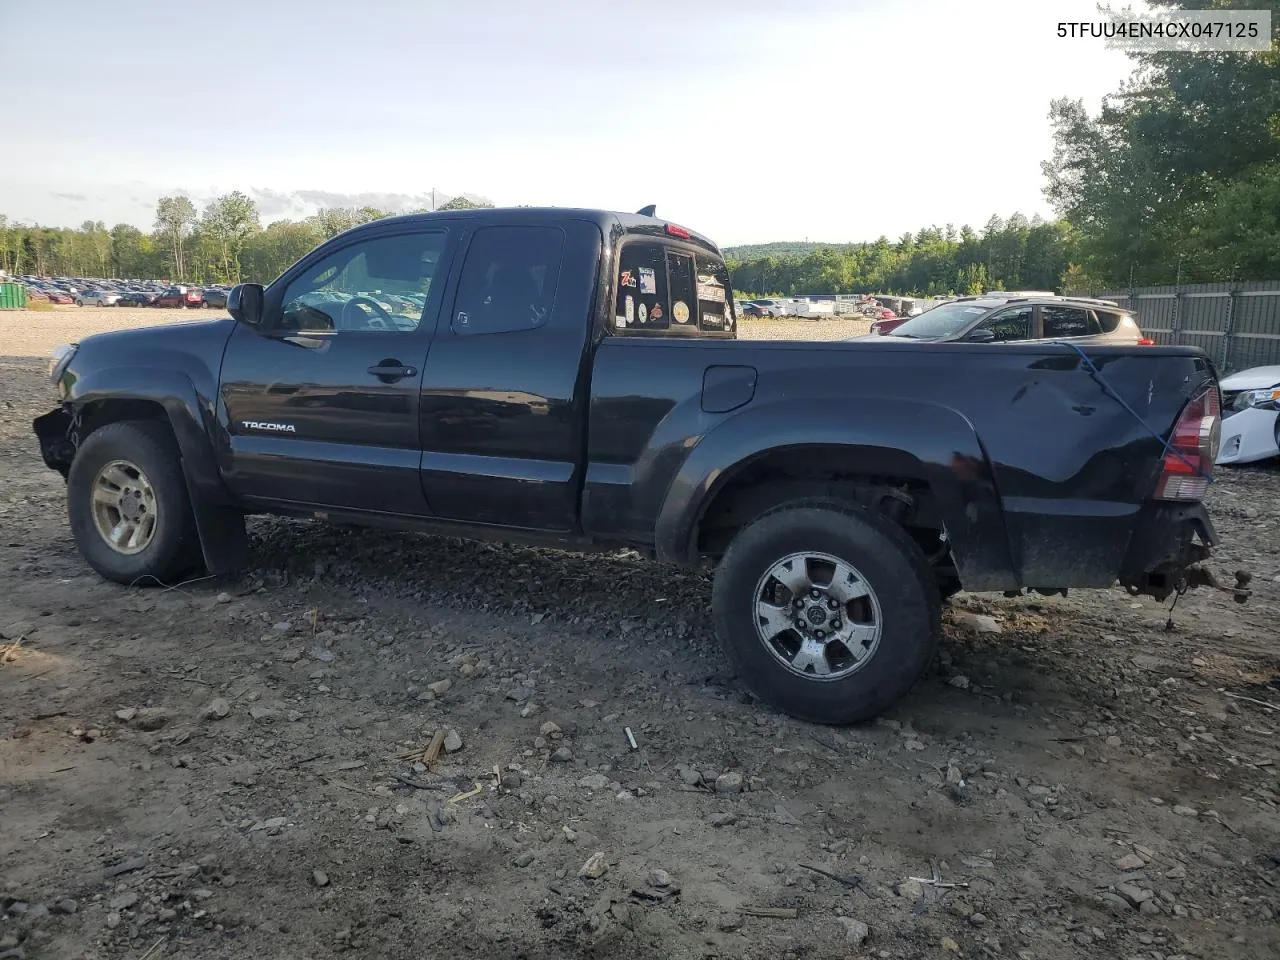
(656, 312)
(712, 320)
(627, 279)
(619, 321)
(648, 280)
(642, 314)
(629, 312)
(711, 291)
(680, 310)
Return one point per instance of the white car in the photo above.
(1250, 415)
(96, 298)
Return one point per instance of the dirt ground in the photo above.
(210, 770)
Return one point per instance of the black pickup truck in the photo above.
(572, 378)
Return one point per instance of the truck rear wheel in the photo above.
(829, 612)
(128, 505)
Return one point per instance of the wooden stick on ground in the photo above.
(771, 913)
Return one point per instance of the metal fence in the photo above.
(1236, 324)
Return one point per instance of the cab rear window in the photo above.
(664, 290)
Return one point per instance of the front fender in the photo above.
(900, 439)
(191, 415)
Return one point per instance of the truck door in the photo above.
(322, 403)
(503, 397)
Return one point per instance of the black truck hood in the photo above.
(168, 336)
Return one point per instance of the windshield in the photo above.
(941, 321)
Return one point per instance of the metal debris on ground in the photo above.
(851, 880)
(936, 879)
(631, 739)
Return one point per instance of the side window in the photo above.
(1012, 324)
(1107, 322)
(1061, 322)
(374, 285)
(509, 279)
(642, 293)
(715, 306)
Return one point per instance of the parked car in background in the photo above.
(769, 308)
(1001, 318)
(215, 298)
(97, 298)
(136, 298)
(1250, 416)
(886, 325)
(59, 296)
(179, 296)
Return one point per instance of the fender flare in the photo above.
(907, 439)
(193, 419)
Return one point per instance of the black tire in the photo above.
(174, 547)
(889, 562)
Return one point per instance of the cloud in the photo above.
(298, 204)
(73, 197)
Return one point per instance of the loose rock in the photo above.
(595, 867)
(855, 931)
(1130, 861)
(216, 709)
(319, 877)
(440, 687)
(729, 783)
(659, 878)
(594, 781)
(452, 741)
(562, 755)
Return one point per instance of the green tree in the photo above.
(228, 223)
(462, 203)
(1145, 179)
(175, 219)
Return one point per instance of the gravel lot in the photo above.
(210, 770)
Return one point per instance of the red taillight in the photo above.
(675, 231)
(1193, 449)
(1146, 342)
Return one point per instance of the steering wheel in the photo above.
(382, 321)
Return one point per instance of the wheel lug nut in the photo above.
(835, 624)
(820, 634)
(799, 603)
(814, 593)
(832, 604)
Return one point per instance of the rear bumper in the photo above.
(1168, 541)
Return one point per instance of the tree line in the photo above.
(1013, 254)
(224, 243)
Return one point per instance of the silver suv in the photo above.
(1019, 318)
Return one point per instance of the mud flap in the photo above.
(224, 542)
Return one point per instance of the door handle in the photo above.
(391, 370)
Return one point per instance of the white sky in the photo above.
(749, 120)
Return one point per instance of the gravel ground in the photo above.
(217, 769)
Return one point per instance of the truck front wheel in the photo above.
(128, 504)
(828, 612)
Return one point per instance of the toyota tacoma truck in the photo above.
(572, 378)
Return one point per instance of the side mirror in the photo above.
(980, 336)
(244, 303)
